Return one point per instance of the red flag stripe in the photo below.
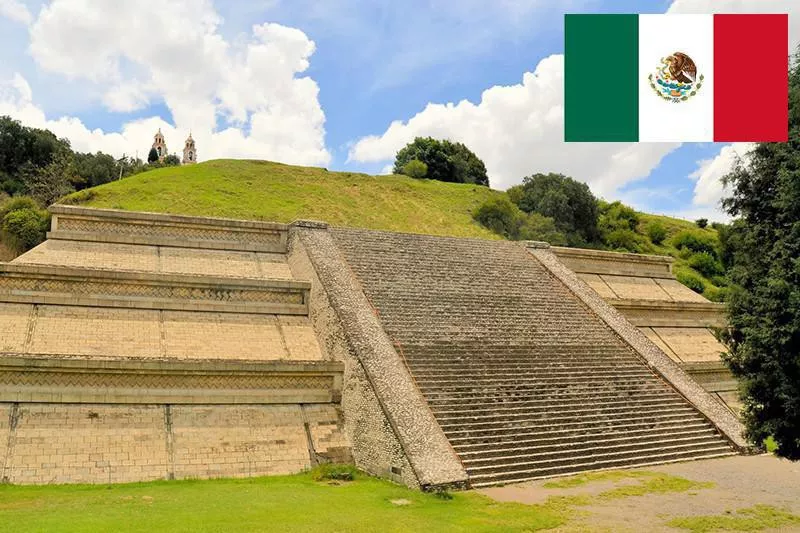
(751, 78)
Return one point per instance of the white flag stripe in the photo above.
(691, 120)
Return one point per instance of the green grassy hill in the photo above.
(262, 190)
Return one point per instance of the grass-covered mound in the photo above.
(261, 190)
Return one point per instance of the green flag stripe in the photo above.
(601, 65)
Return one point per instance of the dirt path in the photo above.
(738, 483)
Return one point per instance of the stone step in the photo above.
(582, 427)
(516, 367)
(550, 453)
(445, 418)
(502, 403)
(526, 420)
(512, 443)
(539, 386)
(528, 377)
(554, 392)
(467, 356)
(518, 476)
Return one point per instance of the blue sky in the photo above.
(323, 82)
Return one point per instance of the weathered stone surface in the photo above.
(140, 346)
(127, 227)
(63, 443)
(428, 451)
(44, 284)
(614, 263)
(721, 417)
(238, 441)
(692, 344)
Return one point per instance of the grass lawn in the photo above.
(287, 503)
(261, 190)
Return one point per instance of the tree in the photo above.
(152, 157)
(701, 223)
(172, 160)
(763, 306)
(446, 161)
(49, 183)
(415, 169)
(502, 216)
(570, 203)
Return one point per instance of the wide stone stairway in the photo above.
(523, 378)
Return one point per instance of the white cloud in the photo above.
(709, 189)
(16, 100)
(140, 53)
(16, 11)
(518, 130)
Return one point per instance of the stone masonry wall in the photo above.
(62, 330)
(375, 446)
(63, 443)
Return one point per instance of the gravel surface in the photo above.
(739, 482)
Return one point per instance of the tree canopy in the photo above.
(568, 202)
(763, 249)
(444, 159)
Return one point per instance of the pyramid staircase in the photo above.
(524, 380)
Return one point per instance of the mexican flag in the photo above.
(685, 78)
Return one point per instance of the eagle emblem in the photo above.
(676, 79)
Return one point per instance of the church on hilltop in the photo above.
(189, 149)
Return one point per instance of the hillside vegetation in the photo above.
(262, 190)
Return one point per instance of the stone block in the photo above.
(88, 444)
(189, 335)
(692, 344)
(238, 441)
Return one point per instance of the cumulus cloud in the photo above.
(246, 98)
(518, 130)
(709, 189)
(16, 11)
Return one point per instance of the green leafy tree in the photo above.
(764, 295)
(172, 160)
(415, 169)
(568, 202)
(51, 182)
(701, 223)
(446, 161)
(152, 157)
(502, 216)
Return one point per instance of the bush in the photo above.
(696, 241)
(415, 169)
(656, 232)
(624, 240)
(334, 472)
(701, 223)
(499, 215)
(706, 264)
(691, 279)
(25, 227)
(536, 227)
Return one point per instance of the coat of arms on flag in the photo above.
(676, 79)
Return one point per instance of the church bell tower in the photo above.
(189, 152)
